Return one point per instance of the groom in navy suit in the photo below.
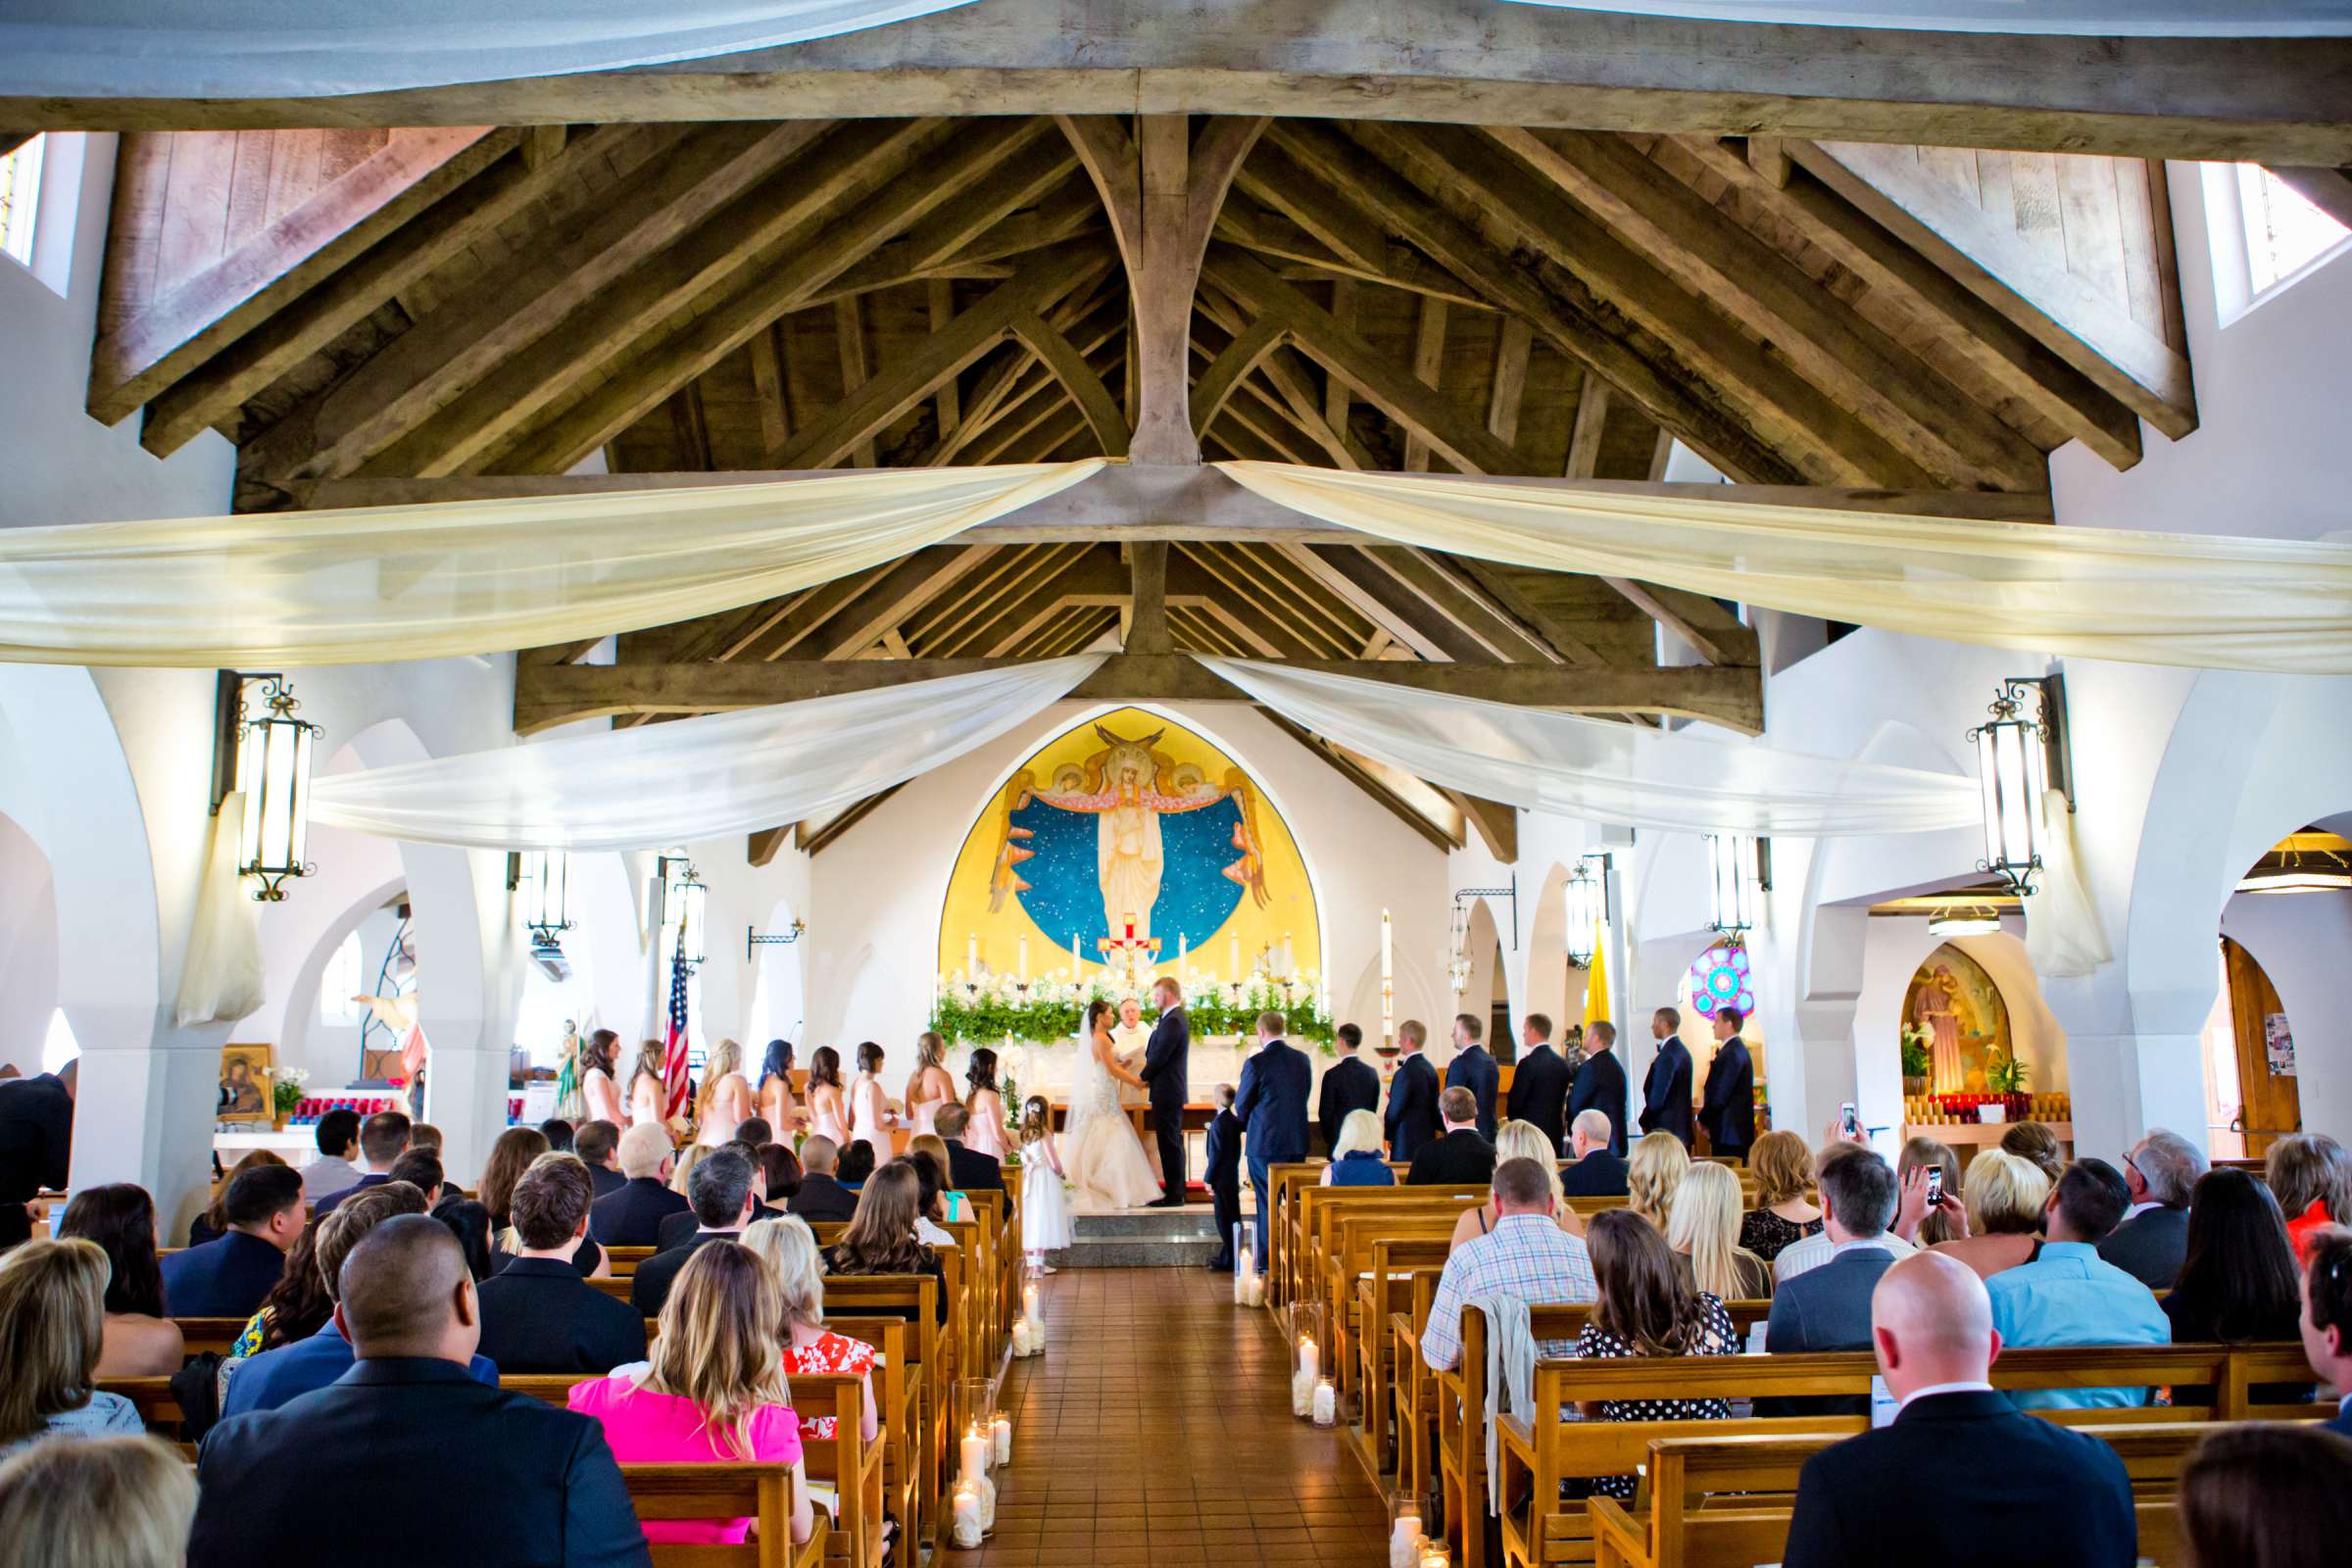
(1272, 1109)
(1164, 1073)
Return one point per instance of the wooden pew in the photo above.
(764, 1492)
(1347, 1264)
(1388, 1286)
(913, 1298)
(1315, 1207)
(214, 1334)
(1414, 1391)
(1285, 1183)
(624, 1260)
(1726, 1501)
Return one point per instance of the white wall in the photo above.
(28, 948)
(2303, 941)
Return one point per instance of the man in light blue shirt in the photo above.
(2069, 1294)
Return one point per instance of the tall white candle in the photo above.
(1233, 955)
(973, 1453)
(1000, 1433)
(1310, 1358)
(1024, 958)
(1076, 978)
(968, 1515)
(971, 956)
(1184, 947)
(1029, 1303)
(1388, 980)
(1404, 1542)
(1327, 1404)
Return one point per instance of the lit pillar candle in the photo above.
(1310, 1358)
(971, 956)
(1388, 980)
(968, 1515)
(1000, 1434)
(1077, 978)
(1024, 959)
(1434, 1555)
(973, 1454)
(1029, 1302)
(1327, 1403)
(1233, 957)
(1404, 1542)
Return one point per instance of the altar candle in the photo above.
(1327, 1403)
(1024, 959)
(1001, 1432)
(1076, 975)
(1233, 957)
(971, 956)
(968, 1515)
(1184, 949)
(973, 1453)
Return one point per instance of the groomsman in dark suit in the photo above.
(1349, 1084)
(1412, 1118)
(1600, 1083)
(1539, 1082)
(1164, 1059)
(1472, 1069)
(1728, 1109)
(1666, 1090)
(1272, 1110)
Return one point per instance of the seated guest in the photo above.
(2327, 1319)
(338, 1138)
(1460, 1157)
(754, 1131)
(37, 1143)
(791, 1252)
(2267, 1495)
(2312, 1177)
(721, 1193)
(822, 1200)
(2005, 1197)
(929, 1157)
(1799, 1259)
(1595, 1171)
(2237, 1283)
(502, 1480)
(1517, 1139)
(881, 1237)
(558, 1133)
(1654, 1173)
(1526, 1255)
(969, 1169)
(779, 1173)
(632, 1215)
(383, 1138)
(2160, 1170)
(1783, 1170)
(712, 1391)
(511, 1154)
(2008, 1487)
(53, 1325)
(1358, 1158)
(1704, 1234)
(538, 1314)
(856, 1165)
(420, 1168)
(228, 1278)
(287, 1372)
(297, 1306)
(141, 1341)
(100, 1502)
(2033, 1141)
(676, 1230)
(598, 1144)
(212, 1223)
(1942, 1221)
(1644, 1308)
(1828, 1308)
(2070, 1294)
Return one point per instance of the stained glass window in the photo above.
(1720, 978)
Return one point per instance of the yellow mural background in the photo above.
(1290, 909)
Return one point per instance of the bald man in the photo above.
(513, 1481)
(1961, 1476)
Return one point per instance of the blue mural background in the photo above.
(1065, 890)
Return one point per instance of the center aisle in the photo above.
(1157, 1429)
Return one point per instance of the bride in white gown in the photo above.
(1099, 1149)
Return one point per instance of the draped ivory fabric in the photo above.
(316, 48)
(222, 980)
(367, 585)
(2278, 605)
(1607, 772)
(2063, 934)
(699, 778)
(2118, 19)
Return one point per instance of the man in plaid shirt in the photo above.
(1526, 1255)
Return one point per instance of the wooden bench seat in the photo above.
(761, 1492)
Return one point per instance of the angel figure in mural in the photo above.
(1128, 788)
(1936, 1009)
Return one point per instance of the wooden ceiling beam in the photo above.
(1284, 599)
(1400, 266)
(897, 594)
(1294, 380)
(550, 694)
(1345, 765)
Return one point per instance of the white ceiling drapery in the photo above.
(2201, 601)
(322, 48)
(368, 586)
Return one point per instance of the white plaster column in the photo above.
(144, 1105)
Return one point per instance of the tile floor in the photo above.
(1157, 1429)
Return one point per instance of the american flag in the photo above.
(673, 1055)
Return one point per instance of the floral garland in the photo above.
(1044, 1011)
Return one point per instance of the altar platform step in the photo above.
(1141, 1237)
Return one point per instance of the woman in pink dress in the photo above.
(930, 1088)
(777, 1104)
(726, 1100)
(599, 1098)
(713, 1390)
(986, 1133)
(828, 1114)
(870, 1117)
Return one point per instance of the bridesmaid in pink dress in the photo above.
(931, 1087)
(986, 1133)
(828, 1113)
(871, 1120)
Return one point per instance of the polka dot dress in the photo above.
(1718, 1339)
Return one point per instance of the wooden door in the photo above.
(2273, 1108)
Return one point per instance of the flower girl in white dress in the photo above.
(1044, 1204)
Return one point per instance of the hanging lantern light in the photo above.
(269, 758)
(1457, 960)
(1736, 872)
(683, 897)
(1587, 900)
(2013, 768)
(543, 878)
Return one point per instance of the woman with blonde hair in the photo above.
(789, 1249)
(52, 1332)
(1784, 1215)
(931, 1087)
(683, 1166)
(101, 1502)
(1356, 1160)
(713, 1390)
(725, 1101)
(2002, 1226)
(2311, 1176)
(1703, 1230)
(1518, 1139)
(1652, 1174)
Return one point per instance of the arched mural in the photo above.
(1954, 1009)
(1121, 833)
